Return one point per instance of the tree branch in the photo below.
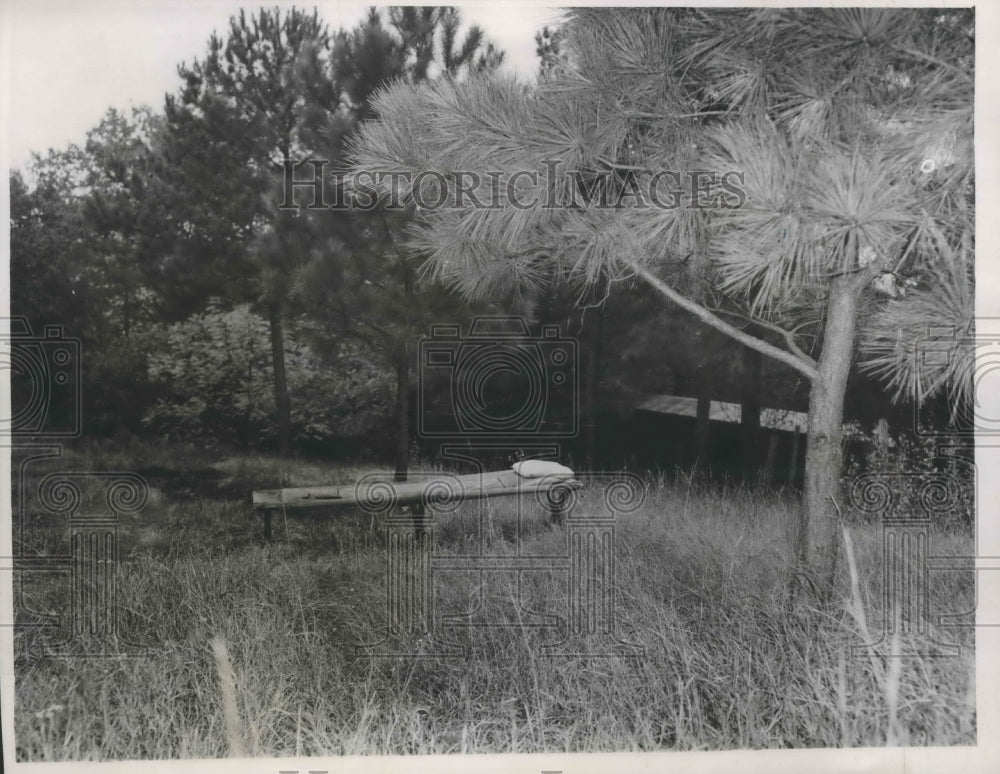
(808, 369)
(786, 334)
(789, 338)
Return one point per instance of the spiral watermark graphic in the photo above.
(443, 494)
(374, 494)
(127, 494)
(939, 495)
(626, 493)
(872, 494)
(59, 494)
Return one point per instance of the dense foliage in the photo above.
(213, 374)
(203, 309)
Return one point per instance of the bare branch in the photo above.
(808, 369)
(789, 338)
(787, 335)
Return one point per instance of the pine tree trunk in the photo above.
(818, 528)
(402, 443)
(282, 402)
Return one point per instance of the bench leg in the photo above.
(266, 513)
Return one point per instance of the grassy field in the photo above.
(250, 647)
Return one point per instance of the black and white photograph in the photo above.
(528, 388)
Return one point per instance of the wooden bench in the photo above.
(378, 494)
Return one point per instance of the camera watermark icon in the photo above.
(587, 622)
(45, 381)
(91, 627)
(498, 381)
(947, 353)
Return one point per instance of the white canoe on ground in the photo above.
(369, 492)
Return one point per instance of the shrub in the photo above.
(217, 384)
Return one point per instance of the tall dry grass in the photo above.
(727, 660)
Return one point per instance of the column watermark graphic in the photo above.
(906, 507)
(586, 620)
(90, 507)
(909, 506)
(77, 511)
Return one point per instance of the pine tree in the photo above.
(849, 135)
(249, 108)
(368, 285)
